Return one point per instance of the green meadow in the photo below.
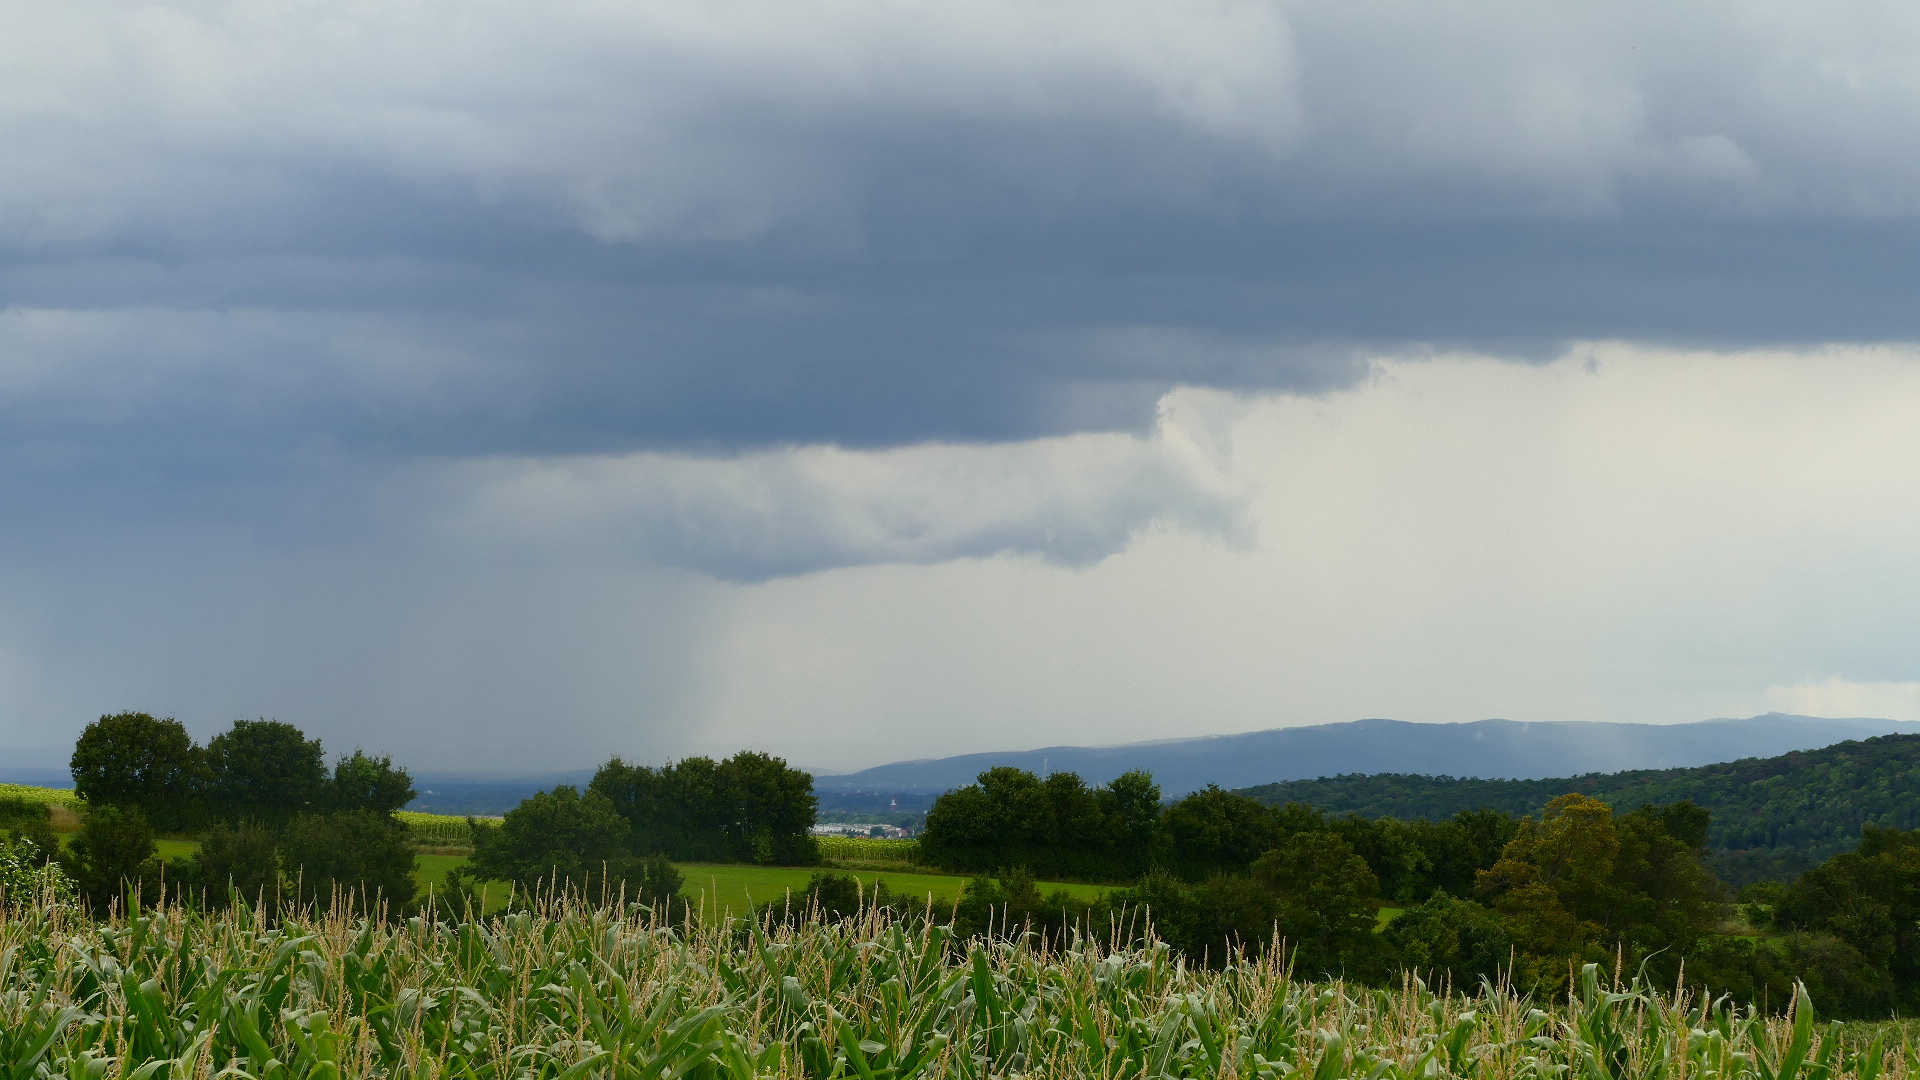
(734, 888)
(717, 887)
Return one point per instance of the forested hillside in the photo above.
(1772, 817)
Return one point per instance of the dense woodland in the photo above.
(1772, 817)
(276, 824)
(1487, 893)
(623, 833)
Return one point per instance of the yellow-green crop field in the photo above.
(50, 796)
(864, 850)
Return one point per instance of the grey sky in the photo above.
(434, 372)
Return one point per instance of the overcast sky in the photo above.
(507, 385)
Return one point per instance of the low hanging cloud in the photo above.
(1837, 696)
(1071, 500)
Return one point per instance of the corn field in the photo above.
(568, 990)
(862, 849)
(437, 830)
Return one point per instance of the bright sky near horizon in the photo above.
(504, 386)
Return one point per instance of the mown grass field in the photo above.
(568, 993)
(722, 888)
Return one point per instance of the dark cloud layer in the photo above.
(1074, 326)
(440, 228)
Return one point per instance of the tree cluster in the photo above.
(1059, 828)
(279, 826)
(749, 808)
(1488, 895)
(260, 771)
(620, 837)
(1056, 827)
(1853, 923)
(561, 840)
(1581, 884)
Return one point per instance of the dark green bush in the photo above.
(113, 859)
(354, 856)
(24, 820)
(1452, 941)
(240, 861)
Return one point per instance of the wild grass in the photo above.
(568, 990)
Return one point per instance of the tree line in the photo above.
(261, 771)
(622, 834)
(1060, 828)
(1486, 894)
(276, 824)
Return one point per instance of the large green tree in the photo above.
(136, 760)
(1451, 941)
(1213, 831)
(555, 839)
(1579, 884)
(1868, 898)
(771, 806)
(374, 784)
(1325, 900)
(265, 770)
(1056, 826)
(1132, 805)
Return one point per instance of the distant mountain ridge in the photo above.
(1494, 749)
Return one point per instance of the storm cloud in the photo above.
(460, 296)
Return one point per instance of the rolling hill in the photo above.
(1484, 748)
(1772, 817)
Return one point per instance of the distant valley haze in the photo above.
(1490, 749)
